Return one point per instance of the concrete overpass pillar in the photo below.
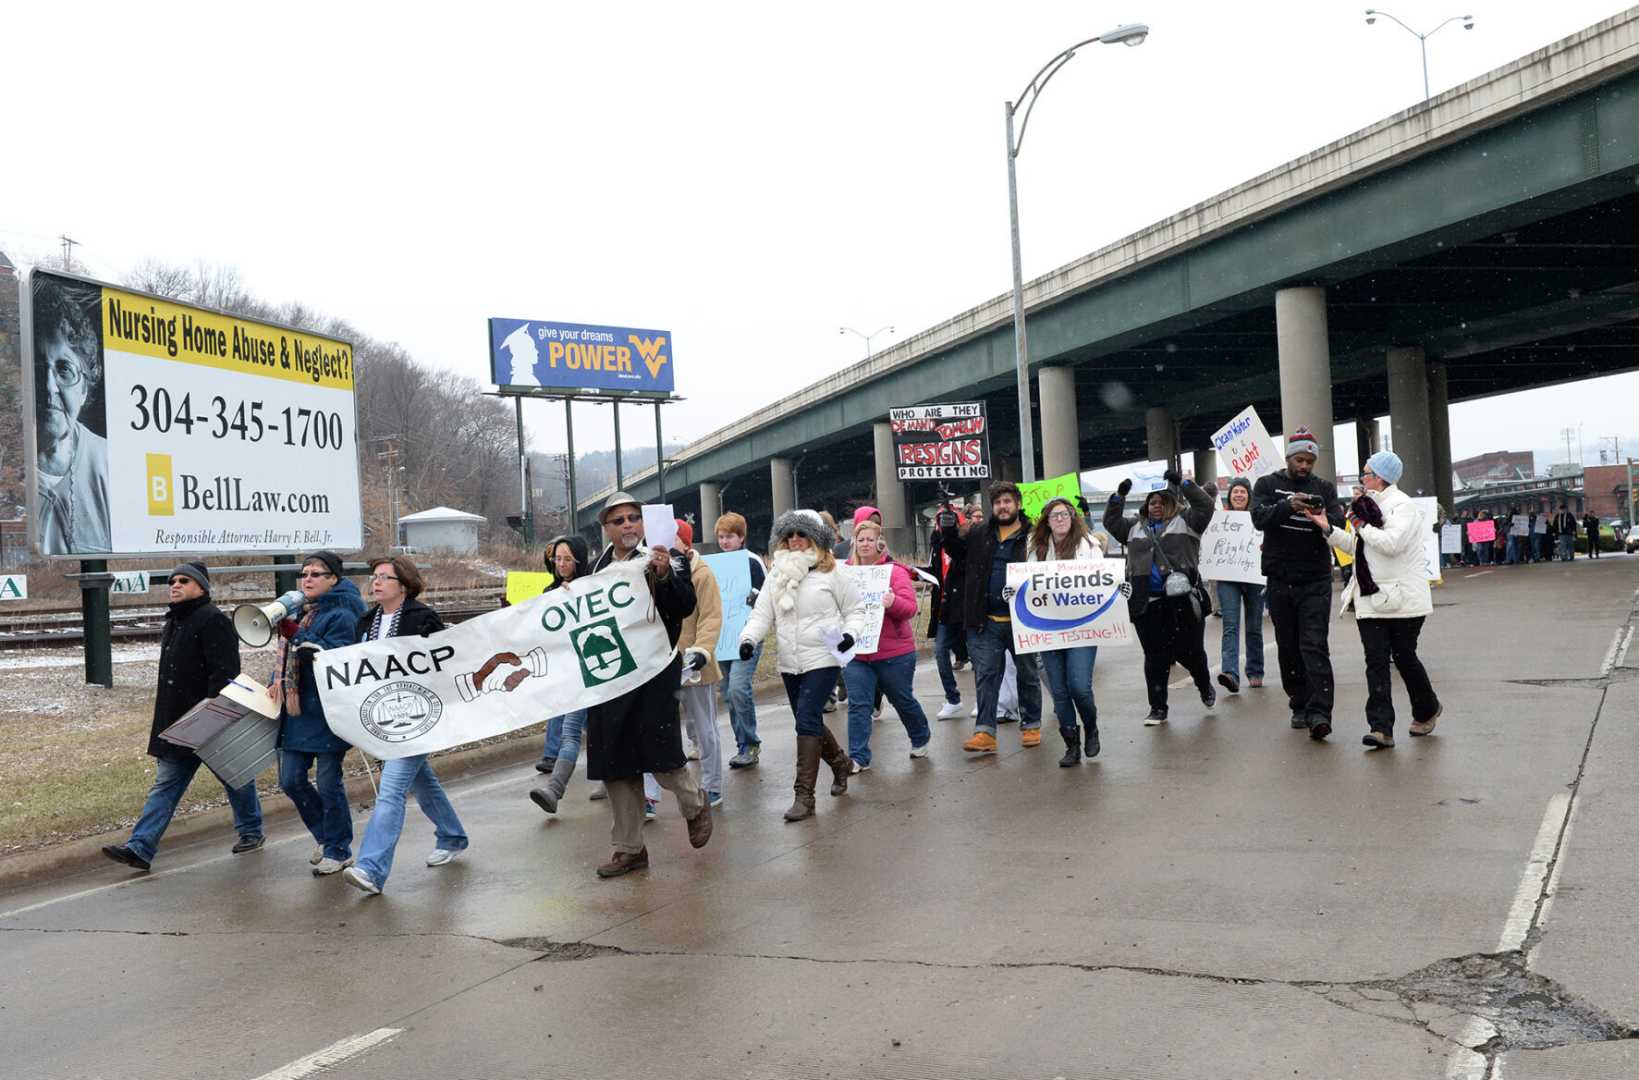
(890, 493)
(1368, 437)
(1060, 432)
(1408, 418)
(1161, 435)
(1306, 369)
(711, 508)
(1439, 431)
(783, 488)
(1206, 467)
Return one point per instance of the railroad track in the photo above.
(47, 629)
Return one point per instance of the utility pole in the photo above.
(1567, 433)
(68, 251)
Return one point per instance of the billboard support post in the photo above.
(285, 580)
(620, 468)
(569, 436)
(99, 648)
(526, 520)
(659, 456)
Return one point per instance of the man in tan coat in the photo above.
(698, 644)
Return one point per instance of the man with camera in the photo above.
(1297, 560)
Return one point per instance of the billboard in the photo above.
(530, 353)
(941, 442)
(154, 427)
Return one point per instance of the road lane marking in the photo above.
(330, 1056)
(1610, 653)
(1522, 914)
(1481, 573)
(1622, 653)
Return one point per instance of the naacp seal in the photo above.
(400, 711)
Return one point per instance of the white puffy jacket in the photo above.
(1394, 553)
(824, 600)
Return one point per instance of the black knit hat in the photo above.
(195, 570)
(331, 561)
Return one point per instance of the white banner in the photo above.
(1065, 605)
(1429, 507)
(1232, 549)
(873, 583)
(1245, 448)
(585, 643)
(157, 426)
(13, 586)
(1150, 476)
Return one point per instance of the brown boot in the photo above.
(808, 762)
(836, 757)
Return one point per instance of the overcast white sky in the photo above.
(749, 176)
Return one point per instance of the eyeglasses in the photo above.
(1368, 476)
(179, 581)
(66, 371)
(1059, 515)
(383, 577)
(315, 574)
(624, 519)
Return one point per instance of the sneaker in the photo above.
(1030, 737)
(746, 758)
(1425, 727)
(694, 752)
(950, 710)
(1156, 718)
(1229, 682)
(1209, 697)
(248, 843)
(1377, 740)
(982, 742)
(317, 856)
(598, 792)
(876, 714)
(1299, 720)
(623, 863)
(973, 713)
(1255, 681)
(1007, 717)
(651, 810)
(122, 854)
(714, 799)
(546, 764)
(328, 866)
(544, 799)
(858, 768)
(441, 857)
(1319, 729)
(360, 881)
(831, 704)
(958, 665)
(919, 751)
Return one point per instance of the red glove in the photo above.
(287, 628)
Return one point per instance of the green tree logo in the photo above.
(603, 654)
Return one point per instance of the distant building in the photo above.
(441, 529)
(1605, 488)
(1497, 467)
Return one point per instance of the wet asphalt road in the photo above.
(1219, 898)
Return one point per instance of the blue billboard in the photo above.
(578, 356)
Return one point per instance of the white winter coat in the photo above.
(824, 600)
(1394, 553)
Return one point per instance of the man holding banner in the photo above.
(639, 731)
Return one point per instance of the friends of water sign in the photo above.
(1245, 448)
(1068, 604)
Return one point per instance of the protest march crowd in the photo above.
(841, 615)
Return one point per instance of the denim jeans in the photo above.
(1567, 547)
(1233, 597)
(1070, 681)
(944, 643)
(1512, 549)
(554, 738)
(171, 780)
(323, 809)
(1540, 541)
(894, 676)
(742, 707)
(988, 647)
(400, 777)
(807, 693)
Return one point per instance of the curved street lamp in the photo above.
(1131, 34)
(1372, 15)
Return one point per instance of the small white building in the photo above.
(441, 529)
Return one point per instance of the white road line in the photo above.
(1622, 653)
(1524, 908)
(332, 1055)
(1610, 653)
(1553, 879)
(1480, 573)
(126, 882)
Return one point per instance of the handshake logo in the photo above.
(502, 673)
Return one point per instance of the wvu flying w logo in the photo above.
(650, 349)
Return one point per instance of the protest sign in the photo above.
(1520, 526)
(1232, 549)
(577, 646)
(1037, 493)
(659, 525)
(1482, 532)
(873, 584)
(941, 442)
(1245, 448)
(1150, 476)
(524, 585)
(1064, 605)
(1428, 509)
(1541, 526)
(1451, 539)
(732, 569)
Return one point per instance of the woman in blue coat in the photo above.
(329, 620)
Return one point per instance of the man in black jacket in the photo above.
(945, 614)
(987, 550)
(198, 656)
(640, 731)
(1590, 528)
(1564, 526)
(1297, 560)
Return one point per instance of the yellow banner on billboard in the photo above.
(167, 331)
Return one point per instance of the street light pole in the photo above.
(868, 338)
(1422, 39)
(1133, 34)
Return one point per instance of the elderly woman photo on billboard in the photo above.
(69, 417)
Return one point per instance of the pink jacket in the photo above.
(898, 635)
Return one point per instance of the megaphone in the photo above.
(254, 623)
